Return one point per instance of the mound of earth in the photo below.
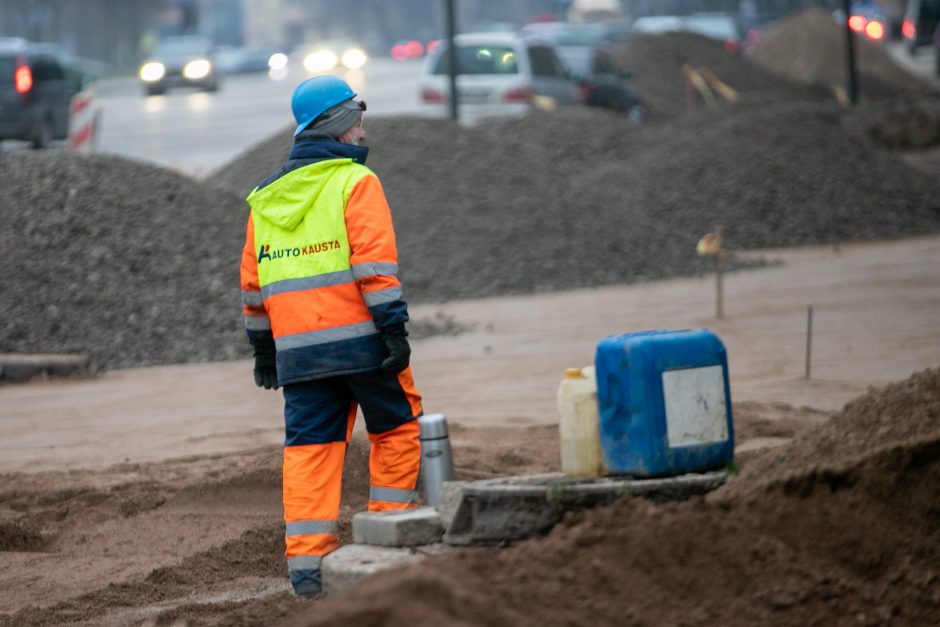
(809, 47)
(128, 263)
(135, 265)
(850, 535)
(656, 61)
(901, 125)
(579, 198)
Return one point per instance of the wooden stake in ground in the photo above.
(809, 338)
(710, 245)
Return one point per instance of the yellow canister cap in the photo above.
(573, 373)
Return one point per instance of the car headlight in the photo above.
(354, 58)
(196, 69)
(152, 71)
(320, 61)
(278, 61)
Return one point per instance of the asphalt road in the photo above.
(195, 132)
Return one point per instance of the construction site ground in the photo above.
(147, 494)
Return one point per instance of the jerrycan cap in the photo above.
(573, 373)
(432, 426)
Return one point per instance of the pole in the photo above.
(851, 75)
(452, 58)
(809, 338)
(719, 274)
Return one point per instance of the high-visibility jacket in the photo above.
(319, 268)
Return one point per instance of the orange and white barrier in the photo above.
(83, 122)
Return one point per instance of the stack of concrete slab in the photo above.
(489, 512)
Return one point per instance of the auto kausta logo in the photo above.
(296, 251)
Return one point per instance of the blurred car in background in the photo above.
(499, 74)
(243, 60)
(584, 49)
(181, 61)
(37, 84)
(866, 19)
(920, 23)
(330, 54)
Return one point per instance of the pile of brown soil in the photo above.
(843, 528)
(579, 198)
(655, 63)
(809, 47)
(161, 539)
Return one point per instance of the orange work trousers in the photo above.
(319, 417)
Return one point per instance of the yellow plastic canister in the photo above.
(579, 423)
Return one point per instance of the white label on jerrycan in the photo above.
(695, 406)
(579, 424)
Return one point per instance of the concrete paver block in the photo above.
(451, 494)
(19, 368)
(495, 511)
(350, 564)
(413, 527)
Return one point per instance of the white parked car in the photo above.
(500, 74)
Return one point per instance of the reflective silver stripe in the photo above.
(380, 297)
(251, 299)
(392, 495)
(307, 283)
(306, 527)
(304, 562)
(257, 323)
(362, 270)
(336, 334)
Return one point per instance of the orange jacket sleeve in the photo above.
(373, 255)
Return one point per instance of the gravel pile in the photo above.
(655, 62)
(134, 265)
(809, 47)
(127, 263)
(579, 198)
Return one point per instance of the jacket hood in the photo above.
(285, 202)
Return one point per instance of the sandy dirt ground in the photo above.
(130, 497)
(875, 321)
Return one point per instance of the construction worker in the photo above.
(324, 313)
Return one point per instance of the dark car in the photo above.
(181, 61)
(603, 84)
(584, 50)
(37, 83)
(920, 23)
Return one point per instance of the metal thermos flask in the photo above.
(437, 462)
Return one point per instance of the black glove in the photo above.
(265, 370)
(399, 352)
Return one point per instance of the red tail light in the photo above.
(432, 96)
(875, 30)
(23, 79)
(908, 29)
(857, 23)
(520, 94)
(732, 46)
(414, 49)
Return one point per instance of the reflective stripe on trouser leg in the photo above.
(393, 468)
(312, 481)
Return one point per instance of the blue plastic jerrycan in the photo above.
(664, 402)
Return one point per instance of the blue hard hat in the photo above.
(315, 95)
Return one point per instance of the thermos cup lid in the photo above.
(432, 426)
